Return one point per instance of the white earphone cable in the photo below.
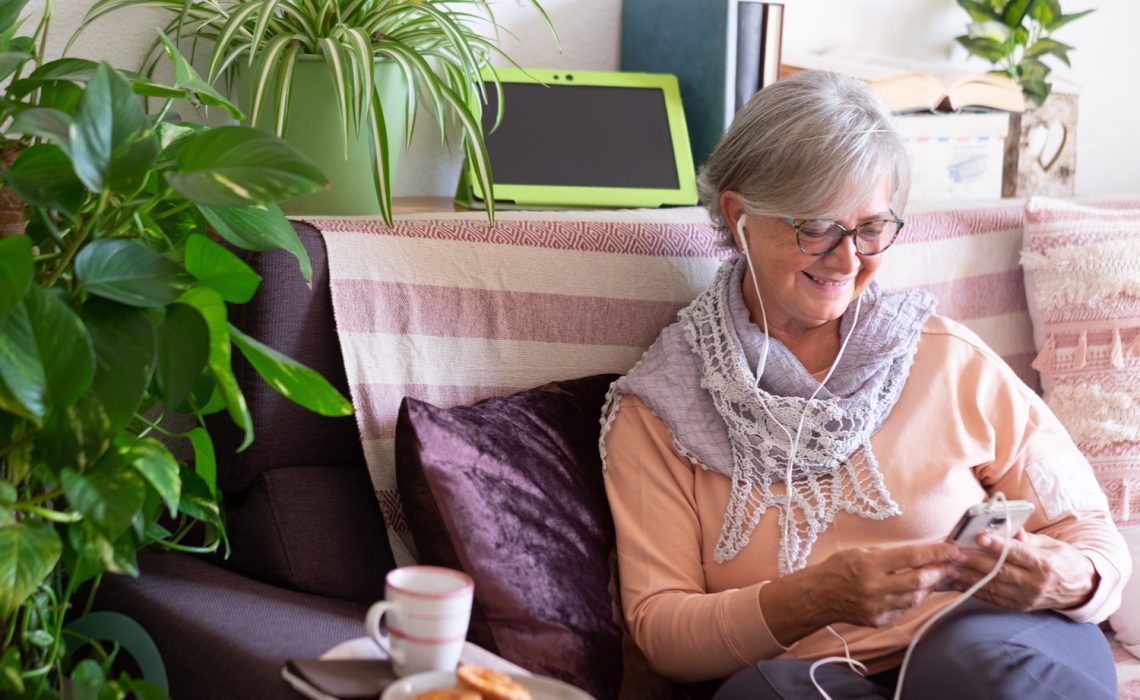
(854, 664)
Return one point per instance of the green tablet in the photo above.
(572, 138)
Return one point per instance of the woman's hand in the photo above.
(873, 586)
(1039, 573)
(868, 586)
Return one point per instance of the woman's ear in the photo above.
(732, 209)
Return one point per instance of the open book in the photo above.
(909, 86)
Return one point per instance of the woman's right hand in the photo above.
(867, 586)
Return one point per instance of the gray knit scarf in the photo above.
(698, 379)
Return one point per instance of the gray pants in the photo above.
(978, 651)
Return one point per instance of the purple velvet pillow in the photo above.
(510, 490)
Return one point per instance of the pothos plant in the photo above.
(442, 48)
(1017, 37)
(113, 318)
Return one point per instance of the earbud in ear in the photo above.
(740, 233)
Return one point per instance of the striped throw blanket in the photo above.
(447, 309)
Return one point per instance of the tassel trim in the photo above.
(1081, 356)
(1133, 348)
(1116, 355)
(1046, 360)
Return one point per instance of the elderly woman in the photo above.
(786, 461)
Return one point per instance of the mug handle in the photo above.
(372, 624)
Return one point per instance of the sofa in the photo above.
(313, 515)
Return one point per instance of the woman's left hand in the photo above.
(1039, 573)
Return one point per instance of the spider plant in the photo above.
(440, 47)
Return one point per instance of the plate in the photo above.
(540, 687)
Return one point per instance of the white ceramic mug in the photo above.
(422, 621)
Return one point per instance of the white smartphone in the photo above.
(989, 516)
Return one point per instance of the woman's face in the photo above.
(802, 291)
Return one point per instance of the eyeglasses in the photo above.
(816, 237)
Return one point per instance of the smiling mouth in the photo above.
(828, 283)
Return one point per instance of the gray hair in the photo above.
(814, 145)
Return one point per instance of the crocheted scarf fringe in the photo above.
(696, 378)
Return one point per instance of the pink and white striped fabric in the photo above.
(447, 309)
(1082, 263)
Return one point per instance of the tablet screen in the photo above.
(581, 136)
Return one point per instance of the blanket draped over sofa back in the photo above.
(450, 310)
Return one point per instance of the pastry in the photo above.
(492, 685)
(448, 694)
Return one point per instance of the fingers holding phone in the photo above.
(1040, 573)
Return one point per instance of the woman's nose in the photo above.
(844, 258)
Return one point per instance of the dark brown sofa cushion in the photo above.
(299, 504)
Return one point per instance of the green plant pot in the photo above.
(314, 128)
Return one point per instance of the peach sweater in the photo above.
(963, 426)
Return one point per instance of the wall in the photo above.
(1107, 57)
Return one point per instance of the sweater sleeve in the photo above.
(686, 632)
(1035, 459)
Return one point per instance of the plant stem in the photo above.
(80, 234)
(151, 425)
(91, 595)
(47, 514)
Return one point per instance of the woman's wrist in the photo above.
(791, 608)
(1083, 593)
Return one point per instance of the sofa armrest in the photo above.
(222, 635)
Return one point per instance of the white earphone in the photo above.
(855, 665)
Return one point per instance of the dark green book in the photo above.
(722, 52)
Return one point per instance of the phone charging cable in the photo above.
(966, 595)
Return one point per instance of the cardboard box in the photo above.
(955, 155)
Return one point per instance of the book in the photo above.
(908, 86)
(722, 52)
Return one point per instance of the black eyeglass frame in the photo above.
(844, 232)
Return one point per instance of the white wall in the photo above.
(1104, 73)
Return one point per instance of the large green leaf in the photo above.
(112, 143)
(16, 269)
(46, 123)
(10, 12)
(994, 31)
(28, 552)
(980, 11)
(87, 680)
(1015, 11)
(205, 462)
(183, 349)
(290, 378)
(258, 228)
(197, 501)
(237, 166)
(215, 267)
(213, 309)
(125, 351)
(1062, 20)
(21, 371)
(109, 494)
(1044, 47)
(128, 272)
(76, 436)
(986, 48)
(11, 679)
(65, 349)
(1045, 11)
(153, 460)
(42, 175)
